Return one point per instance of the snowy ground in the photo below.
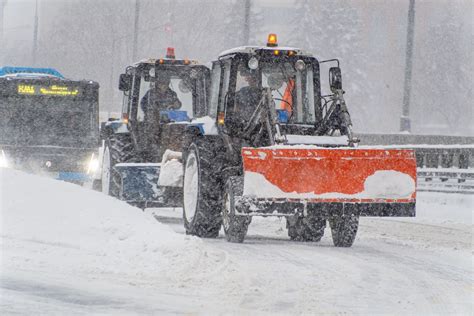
(68, 250)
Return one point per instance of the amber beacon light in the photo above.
(272, 40)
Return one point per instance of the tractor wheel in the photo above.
(202, 192)
(235, 227)
(118, 148)
(309, 228)
(344, 229)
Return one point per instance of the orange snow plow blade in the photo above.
(332, 175)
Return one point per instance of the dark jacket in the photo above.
(156, 100)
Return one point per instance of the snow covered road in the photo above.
(67, 250)
(396, 266)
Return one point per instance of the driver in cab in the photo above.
(160, 97)
(248, 96)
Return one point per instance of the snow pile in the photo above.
(171, 174)
(389, 184)
(382, 184)
(70, 251)
(75, 230)
(171, 171)
(255, 184)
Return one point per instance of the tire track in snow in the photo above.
(394, 267)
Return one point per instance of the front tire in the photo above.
(202, 192)
(235, 226)
(118, 148)
(344, 229)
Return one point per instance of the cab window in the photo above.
(215, 84)
(144, 88)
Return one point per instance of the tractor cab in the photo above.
(267, 156)
(162, 98)
(244, 79)
(159, 95)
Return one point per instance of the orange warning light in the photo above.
(272, 40)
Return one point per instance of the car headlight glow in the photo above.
(93, 164)
(3, 160)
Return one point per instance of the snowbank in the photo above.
(70, 251)
(76, 230)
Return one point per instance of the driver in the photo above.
(160, 97)
(247, 97)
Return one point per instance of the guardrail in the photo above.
(445, 168)
(445, 180)
(445, 163)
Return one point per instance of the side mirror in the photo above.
(335, 78)
(125, 82)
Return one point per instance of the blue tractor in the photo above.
(141, 157)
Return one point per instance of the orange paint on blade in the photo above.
(326, 170)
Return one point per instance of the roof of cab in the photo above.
(168, 61)
(254, 49)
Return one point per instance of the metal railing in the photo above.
(445, 168)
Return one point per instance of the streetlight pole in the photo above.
(35, 36)
(135, 30)
(246, 30)
(405, 125)
(3, 3)
(114, 48)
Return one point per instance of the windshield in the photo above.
(177, 88)
(43, 120)
(292, 89)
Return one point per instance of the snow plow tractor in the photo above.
(281, 148)
(141, 151)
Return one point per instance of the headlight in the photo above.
(93, 164)
(3, 160)
(300, 65)
(253, 63)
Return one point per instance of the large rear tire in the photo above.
(235, 226)
(309, 228)
(202, 192)
(344, 229)
(118, 148)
